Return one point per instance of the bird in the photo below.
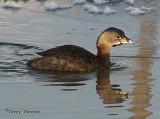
(72, 58)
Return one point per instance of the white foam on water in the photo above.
(148, 9)
(108, 10)
(53, 6)
(93, 9)
(129, 9)
(12, 5)
(134, 11)
(139, 11)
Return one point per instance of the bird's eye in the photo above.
(118, 37)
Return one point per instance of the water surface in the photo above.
(130, 89)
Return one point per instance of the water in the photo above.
(129, 90)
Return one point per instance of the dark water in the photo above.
(130, 89)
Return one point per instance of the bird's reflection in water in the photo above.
(110, 94)
(64, 78)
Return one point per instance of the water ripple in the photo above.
(14, 58)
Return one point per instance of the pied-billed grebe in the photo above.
(75, 58)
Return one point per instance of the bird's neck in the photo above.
(103, 50)
(103, 54)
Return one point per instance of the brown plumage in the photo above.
(77, 59)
